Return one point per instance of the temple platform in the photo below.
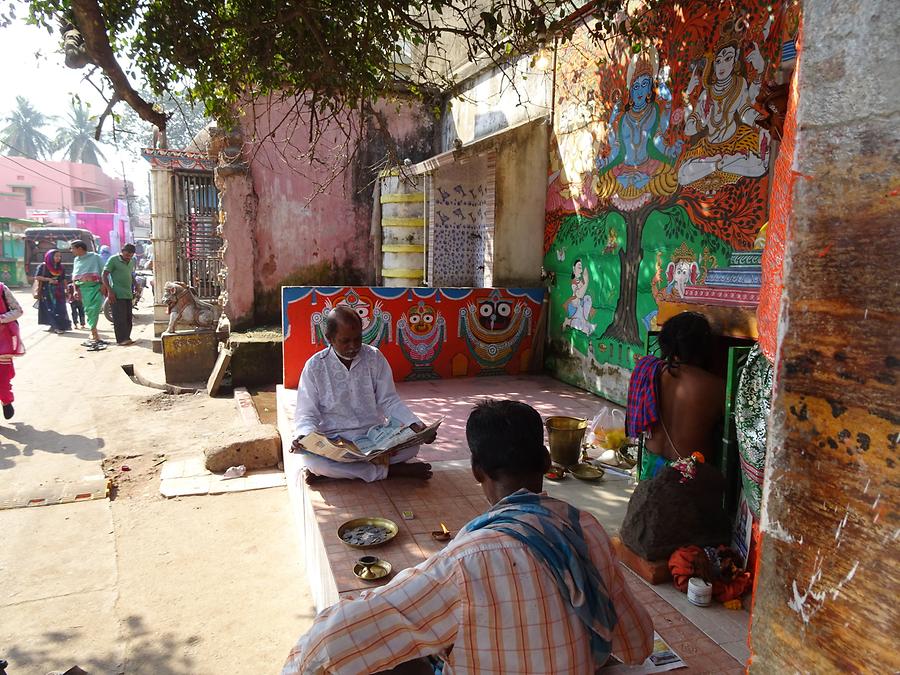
(710, 639)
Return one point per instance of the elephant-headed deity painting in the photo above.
(658, 174)
(438, 333)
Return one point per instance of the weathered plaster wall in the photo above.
(495, 100)
(520, 196)
(829, 574)
(237, 215)
(303, 233)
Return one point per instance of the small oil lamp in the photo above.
(442, 534)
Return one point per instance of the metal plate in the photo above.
(374, 572)
(587, 472)
(362, 532)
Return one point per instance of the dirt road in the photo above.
(135, 583)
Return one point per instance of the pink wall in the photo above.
(11, 205)
(56, 185)
(102, 224)
(281, 229)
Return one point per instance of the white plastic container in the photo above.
(699, 592)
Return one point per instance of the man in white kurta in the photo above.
(345, 390)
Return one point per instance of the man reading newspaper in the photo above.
(345, 390)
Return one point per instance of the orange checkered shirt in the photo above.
(485, 605)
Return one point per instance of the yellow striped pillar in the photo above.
(402, 229)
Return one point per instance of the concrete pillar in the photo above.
(829, 574)
(162, 218)
(237, 221)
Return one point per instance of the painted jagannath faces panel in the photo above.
(658, 174)
(425, 333)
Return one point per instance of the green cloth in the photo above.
(651, 464)
(92, 299)
(89, 263)
(121, 274)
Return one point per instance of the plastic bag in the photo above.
(607, 429)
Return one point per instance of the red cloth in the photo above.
(643, 407)
(687, 562)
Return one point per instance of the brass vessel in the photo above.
(565, 436)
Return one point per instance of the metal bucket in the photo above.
(565, 436)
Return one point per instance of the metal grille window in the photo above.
(198, 245)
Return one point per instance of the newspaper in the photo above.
(662, 659)
(379, 440)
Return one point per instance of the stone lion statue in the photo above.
(184, 307)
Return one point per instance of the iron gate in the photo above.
(198, 245)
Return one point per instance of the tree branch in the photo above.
(90, 22)
(109, 106)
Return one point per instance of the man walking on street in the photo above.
(118, 280)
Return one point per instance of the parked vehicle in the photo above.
(39, 240)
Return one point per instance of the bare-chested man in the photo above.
(676, 401)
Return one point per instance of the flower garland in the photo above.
(687, 466)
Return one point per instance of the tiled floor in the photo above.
(454, 399)
(453, 497)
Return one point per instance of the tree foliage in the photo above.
(76, 138)
(331, 55)
(23, 135)
(185, 120)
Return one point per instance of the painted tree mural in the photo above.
(658, 173)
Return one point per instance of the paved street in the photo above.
(136, 583)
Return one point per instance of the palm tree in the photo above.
(78, 137)
(22, 136)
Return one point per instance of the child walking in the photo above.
(76, 305)
(10, 346)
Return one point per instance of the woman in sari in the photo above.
(86, 271)
(10, 346)
(53, 310)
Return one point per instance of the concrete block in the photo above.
(256, 358)
(189, 357)
(256, 447)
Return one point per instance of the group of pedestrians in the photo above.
(92, 279)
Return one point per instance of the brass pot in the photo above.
(565, 436)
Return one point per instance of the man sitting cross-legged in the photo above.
(530, 586)
(345, 390)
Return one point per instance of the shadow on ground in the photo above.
(46, 440)
(145, 652)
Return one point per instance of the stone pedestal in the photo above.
(189, 357)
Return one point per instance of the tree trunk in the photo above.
(90, 22)
(624, 326)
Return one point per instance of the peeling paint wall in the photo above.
(829, 573)
(300, 232)
(497, 99)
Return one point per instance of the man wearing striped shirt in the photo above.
(531, 586)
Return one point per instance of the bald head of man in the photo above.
(343, 330)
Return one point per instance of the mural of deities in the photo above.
(658, 173)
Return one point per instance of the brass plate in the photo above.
(587, 472)
(374, 572)
(389, 525)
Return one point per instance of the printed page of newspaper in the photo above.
(341, 450)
